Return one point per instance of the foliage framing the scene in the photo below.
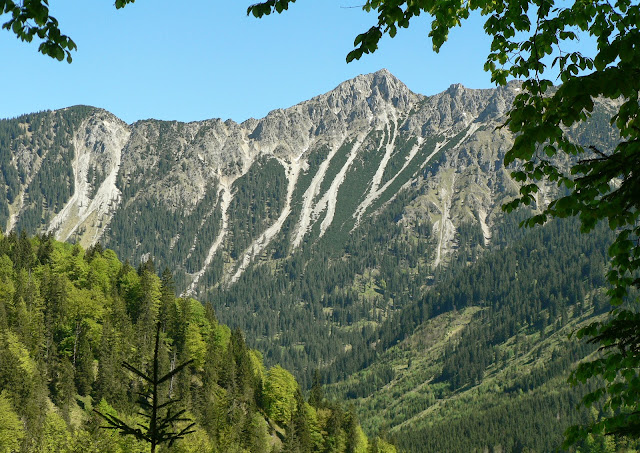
(30, 19)
(529, 41)
(527, 38)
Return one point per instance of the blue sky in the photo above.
(202, 59)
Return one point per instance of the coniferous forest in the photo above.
(70, 317)
(366, 295)
(371, 270)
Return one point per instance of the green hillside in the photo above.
(487, 351)
(70, 317)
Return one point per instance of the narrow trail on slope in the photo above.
(255, 249)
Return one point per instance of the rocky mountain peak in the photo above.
(380, 85)
(456, 89)
(368, 94)
(352, 106)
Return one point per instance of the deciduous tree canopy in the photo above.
(58, 362)
(31, 19)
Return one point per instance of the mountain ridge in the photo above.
(211, 199)
(328, 231)
(215, 199)
(368, 102)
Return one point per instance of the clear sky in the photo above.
(204, 59)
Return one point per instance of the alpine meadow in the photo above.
(371, 270)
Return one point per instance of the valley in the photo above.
(359, 233)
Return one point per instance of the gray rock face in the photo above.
(218, 195)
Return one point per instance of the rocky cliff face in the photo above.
(172, 191)
(97, 144)
(307, 228)
(326, 231)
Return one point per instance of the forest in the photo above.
(487, 351)
(70, 317)
(417, 353)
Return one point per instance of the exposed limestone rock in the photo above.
(98, 145)
(372, 130)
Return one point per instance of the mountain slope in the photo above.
(70, 320)
(215, 200)
(489, 341)
(372, 126)
(330, 232)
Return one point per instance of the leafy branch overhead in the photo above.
(30, 19)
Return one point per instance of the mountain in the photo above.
(215, 200)
(331, 232)
(194, 175)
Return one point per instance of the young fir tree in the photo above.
(316, 395)
(160, 428)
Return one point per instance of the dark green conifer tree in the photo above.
(298, 438)
(316, 395)
(167, 315)
(61, 386)
(160, 428)
(84, 375)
